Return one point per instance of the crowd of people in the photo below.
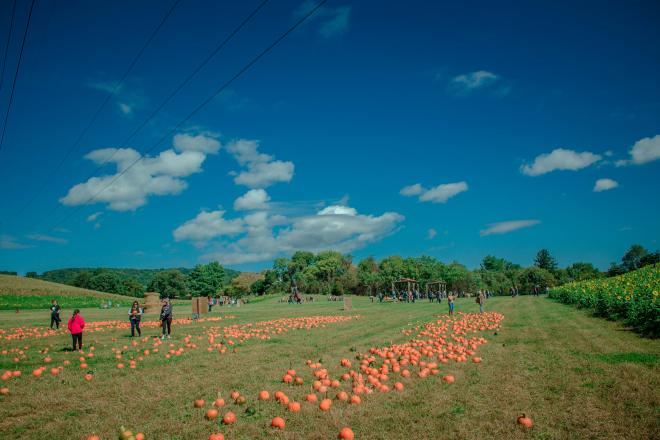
(76, 323)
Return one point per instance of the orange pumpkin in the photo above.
(211, 414)
(198, 403)
(277, 422)
(325, 404)
(346, 433)
(264, 395)
(525, 421)
(217, 436)
(229, 418)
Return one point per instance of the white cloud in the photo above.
(265, 174)
(262, 169)
(509, 226)
(159, 175)
(94, 217)
(124, 108)
(207, 225)
(251, 200)
(9, 242)
(467, 83)
(605, 184)
(264, 236)
(334, 21)
(431, 233)
(411, 190)
(645, 150)
(127, 98)
(474, 80)
(442, 193)
(48, 238)
(436, 194)
(559, 159)
(201, 143)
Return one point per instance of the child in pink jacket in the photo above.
(76, 326)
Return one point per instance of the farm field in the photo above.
(576, 376)
(28, 293)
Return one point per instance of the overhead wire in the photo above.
(16, 74)
(199, 107)
(112, 93)
(9, 32)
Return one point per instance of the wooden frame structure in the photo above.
(410, 284)
(437, 288)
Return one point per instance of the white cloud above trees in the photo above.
(437, 194)
(560, 159)
(138, 177)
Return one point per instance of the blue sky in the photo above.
(454, 130)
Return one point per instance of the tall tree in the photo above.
(206, 279)
(169, 283)
(544, 260)
(368, 274)
(631, 260)
(582, 271)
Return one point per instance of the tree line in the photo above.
(333, 273)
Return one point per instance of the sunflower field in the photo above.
(632, 297)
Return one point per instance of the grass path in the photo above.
(575, 375)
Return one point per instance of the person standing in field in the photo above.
(135, 316)
(450, 301)
(481, 299)
(166, 318)
(210, 302)
(76, 326)
(55, 314)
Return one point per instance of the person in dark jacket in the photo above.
(166, 318)
(55, 314)
(135, 316)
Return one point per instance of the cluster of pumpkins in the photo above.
(437, 342)
(263, 330)
(377, 370)
(94, 326)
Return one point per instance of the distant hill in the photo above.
(142, 276)
(29, 293)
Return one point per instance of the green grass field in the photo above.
(575, 375)
(29, 293)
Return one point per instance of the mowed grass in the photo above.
(575, 375)
(29, 293)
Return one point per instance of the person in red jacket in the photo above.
(76, 326)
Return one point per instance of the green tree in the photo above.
(32, 275)
(535, 276)
(631, 260)
(582, 271)
(132, 287)
(545, 261)
(169, 283)
(368, 274)
(82, 279)
(106, 282)
(206, 279)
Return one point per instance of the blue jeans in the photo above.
(481, 307)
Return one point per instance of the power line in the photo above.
(200, 107)
(11, 29)
(174, 92)
(18, 67)
(100, 108)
